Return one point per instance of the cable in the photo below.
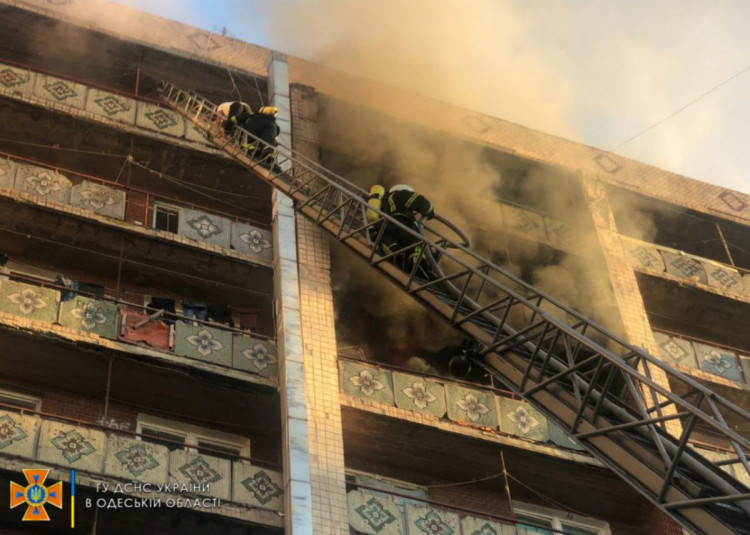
(469, 482)
(681, 109)
(547, 498)
(55, 147)
(234, 86)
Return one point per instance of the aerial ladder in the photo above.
(601, 390)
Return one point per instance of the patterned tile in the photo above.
(559, 234)
(256, 486)
(60, 91)
(521, 419)
(203, 41)
(28, 301)
(675, 350)
(723, 277)
(204, 227)
(471, 525)
(558, 436)
(416, 393)
(18, 434)
(430, 521)
(684, 267)
(644, 257)
(254, 355)
(366, 382)
(99, 199)
(160, 119)
(16, 80)
(253, 241)
(111, 106)
(473, 407)
(136, 460)
(192, 468)
(735, 201)
(203, 343)
(373, 515)
(7, 173)
(745, 364)
(43, 183)
(718, 361)
(77, 447)
(90, 315)
(524, 222)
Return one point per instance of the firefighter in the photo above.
(263, 125)
(233, 113)
(408, 208)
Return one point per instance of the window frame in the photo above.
(19, 396)
(193, 434)
(166, 207)
(558, 518)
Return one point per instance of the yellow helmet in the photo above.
(269, 110)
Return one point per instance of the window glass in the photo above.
(13, 403)
(207, 447)
(532, 524)
(166, 218)
(575, 530)
(172, 441)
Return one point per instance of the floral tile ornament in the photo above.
(45, 183)
(199, 470)
(259, 487)
(471, 525)
(723, 277)
(60, 91)
(252, 240)
(675, 350)
(16, 80)
(18, 433)
(76, 447)
(473, 407)
(29, 301)
(90, 315)
(111, 106)
(643, 256)
(204, 227)
(7, 173)
(255, 355)
(136, 460)
(100, 199)
(366, 382)
(684, 267)
(420, 394)
(718, 361)
(203, 343)
(430, 521)
(373, 514)
(159, 119)
(521, 419)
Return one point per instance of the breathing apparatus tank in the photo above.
(377, 192)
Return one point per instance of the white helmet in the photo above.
(401, 187)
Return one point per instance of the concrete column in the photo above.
(622, 276)
(298, 519)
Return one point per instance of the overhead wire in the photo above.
(63, 149)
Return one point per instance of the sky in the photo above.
(593, 71)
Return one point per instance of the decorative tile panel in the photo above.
(644, 257)
(255, 355)
(18, 434)
(111, 106)
(471, 525)
(90, 315)
(60, 91)
(558, 436)
(417, 393)
(675, 350)
(373, 514)
(723, 277)
(136, 460)
(99, 199)
(430, 521)
(18, 81)
(204, 227)
(160, 119)
(256, 486)
(195, 470)
(193, 133)
(81, 448)
(684, 267)
(203, 343)
(521, 419)
(745, 364)
(28, 301)
(473, 407)
(524, 222)
(366, 382)
(42, 182)
(154, 333)
(252, 240)
(559, 234)
(718, 361)
(7, 173)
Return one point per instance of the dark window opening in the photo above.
(166, 218)
(172, 441)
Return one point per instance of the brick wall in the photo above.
(480, 499)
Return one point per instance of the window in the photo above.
(178, 436)
(166, 217)
(535, 519)
(15, 401)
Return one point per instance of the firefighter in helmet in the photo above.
(232, 114)
(262, 125)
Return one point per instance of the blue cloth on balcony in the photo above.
(195, 310)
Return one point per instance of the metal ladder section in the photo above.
(598, 388)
